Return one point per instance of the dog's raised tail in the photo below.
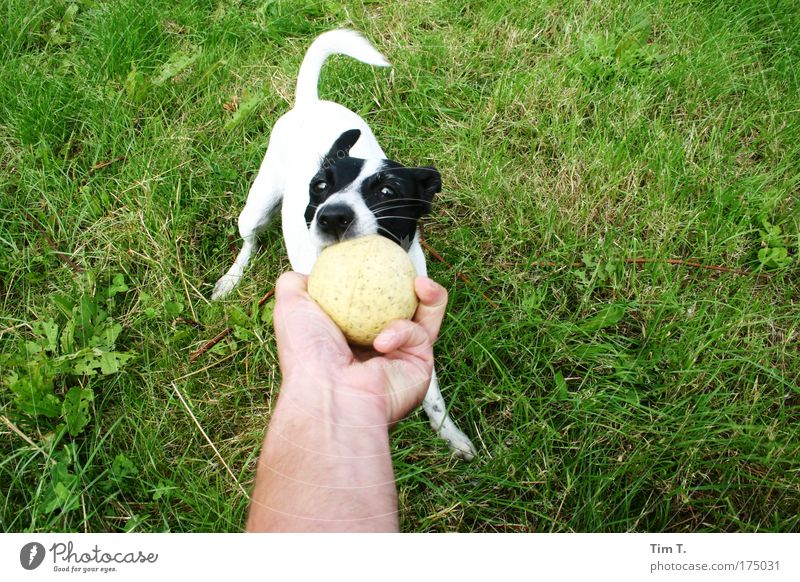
(344, 42)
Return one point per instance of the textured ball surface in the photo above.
(363, 284)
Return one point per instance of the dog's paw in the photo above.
(224, 285)
(459, 443)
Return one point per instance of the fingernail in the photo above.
(428, 285)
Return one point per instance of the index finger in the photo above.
(290, 285)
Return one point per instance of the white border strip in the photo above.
(376, 558)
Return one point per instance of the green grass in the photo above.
(571, 136)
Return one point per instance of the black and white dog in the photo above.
(327, 173)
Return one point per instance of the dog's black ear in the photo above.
(430, 182)
(341, 147)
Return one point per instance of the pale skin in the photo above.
(326, 464)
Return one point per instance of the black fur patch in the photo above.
(337, 170)
(398, 196)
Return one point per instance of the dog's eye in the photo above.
(319, 186)
(387, 192)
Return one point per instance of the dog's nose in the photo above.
(335, 219)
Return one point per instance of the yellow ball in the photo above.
(363, 284)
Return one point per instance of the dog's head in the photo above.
(352, 197)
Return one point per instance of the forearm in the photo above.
(325, 464)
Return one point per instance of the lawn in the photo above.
(598, 159)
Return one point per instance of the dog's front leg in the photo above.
(263, 202)
(444, 426)
(229, 280)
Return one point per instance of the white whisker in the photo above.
(397, 216)
(390, 233)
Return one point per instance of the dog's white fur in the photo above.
(299, 141)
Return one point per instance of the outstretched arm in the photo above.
(326, 464)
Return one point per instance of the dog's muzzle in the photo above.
(335, 219)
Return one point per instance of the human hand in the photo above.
(391, 379)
